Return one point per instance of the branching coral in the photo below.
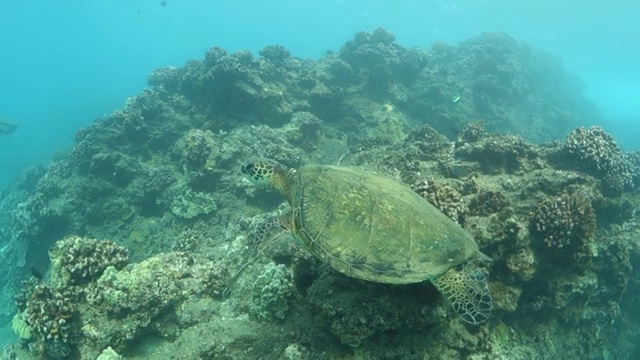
(49, 313)
(167, 77)
(197, 146)
(271, 292)
(565, 219)
(276, 54)
(78, 260)
(444, 197)
(565, 224)
(600, 155)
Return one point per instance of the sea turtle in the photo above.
(373, 228)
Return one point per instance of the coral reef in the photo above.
(86, 311)
(522, 263)
(49, 314)
(358, 313)
(445, 197)
(565, 220)
(566, 225)
(20, 327)
(76, 260)
(167, 77)
(188, 203)
(599, 154)
(471, 133)
(160, 178)
(499, 153)
(271, 292)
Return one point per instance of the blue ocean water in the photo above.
(67, 63)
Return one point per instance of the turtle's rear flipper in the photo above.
(468, 292)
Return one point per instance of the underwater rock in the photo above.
(296, 352)
(500, 153)
(471, 133)
(522, 263)
(488, 202)
(109, 353)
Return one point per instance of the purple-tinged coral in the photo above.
(49, 313)
(599, 154)
(77, 260)
(566, 224)
(444, 197)
(565, 219)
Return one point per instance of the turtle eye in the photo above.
(250, 170)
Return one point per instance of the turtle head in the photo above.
(267, 174)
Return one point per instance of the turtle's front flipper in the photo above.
(260, 239)
(467, 290)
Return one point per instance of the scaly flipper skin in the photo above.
(468, 293)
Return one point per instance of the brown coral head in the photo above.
(565, 220)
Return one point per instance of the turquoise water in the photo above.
(66, 63)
